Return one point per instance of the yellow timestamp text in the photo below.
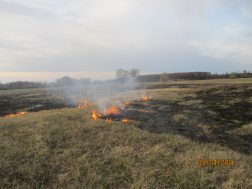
(215, 162)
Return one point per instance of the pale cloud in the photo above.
(102, 36)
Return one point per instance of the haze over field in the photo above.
(45, 40)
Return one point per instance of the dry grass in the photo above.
(244, 130)
(67, 148)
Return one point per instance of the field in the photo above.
(172, 140)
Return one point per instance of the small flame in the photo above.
(145, 98)
(85, 103)
(79, 105)
(20, 113)
(90, 103)
(108, 120)
(95, 116)
(125, 121)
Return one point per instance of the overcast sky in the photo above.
(48, 39)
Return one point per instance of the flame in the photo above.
(112, 110)
(20, 113)
(145, 98)
(108, 120)
(95, 116)
(125, 120)
(84, 104)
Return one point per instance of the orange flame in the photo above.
(90, 103)
(85, 103)
(108, 120)
(20, 113)
(125, 121)
(95, 116)
(145, 98)
(112, 110)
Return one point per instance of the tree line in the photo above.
(123, 76)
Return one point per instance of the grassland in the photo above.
(183, 122)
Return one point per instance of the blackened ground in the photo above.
(227, 116)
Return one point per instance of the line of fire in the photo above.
(112, 113)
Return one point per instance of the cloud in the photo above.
(102, 36)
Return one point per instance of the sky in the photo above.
(49, 39)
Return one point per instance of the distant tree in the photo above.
(65, 81)
(164, 77)
(134, 72)
(83, 81)
(232, 76)
(120, 73)
(195, 76)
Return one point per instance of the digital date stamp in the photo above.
(216, 162)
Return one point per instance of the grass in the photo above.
(69, 149)
(160, 148)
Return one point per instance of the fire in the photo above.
(96, 116)
(84, 103)
(145, 98)
(127, 103)
(108, 120)
(125, 121)
(112, 110)
(20, 113)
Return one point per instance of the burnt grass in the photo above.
(226, 117)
